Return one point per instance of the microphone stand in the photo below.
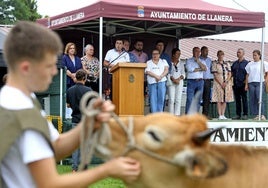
(123, 52)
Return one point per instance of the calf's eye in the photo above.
(154, 136)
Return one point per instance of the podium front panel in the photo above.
(128, 90)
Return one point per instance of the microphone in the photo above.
(123, 49)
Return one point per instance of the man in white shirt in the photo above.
(116, 55)
(113, 56)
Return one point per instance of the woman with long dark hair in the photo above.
(175, 87)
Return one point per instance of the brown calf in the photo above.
(172, 156)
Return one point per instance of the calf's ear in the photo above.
(206, 164)
(202, 137)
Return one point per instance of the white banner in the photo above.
(248, 133)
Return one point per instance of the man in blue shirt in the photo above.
(208, 78)
(195, 83)
(160, 45)
(132, 58)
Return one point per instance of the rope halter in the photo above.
(93, 139)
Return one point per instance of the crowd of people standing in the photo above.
(217, 81)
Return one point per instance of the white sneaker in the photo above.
(220, 118)
(223, 117)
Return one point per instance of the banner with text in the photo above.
(248, 133)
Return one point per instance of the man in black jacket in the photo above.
(73, 97)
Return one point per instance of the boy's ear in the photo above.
(24, 66)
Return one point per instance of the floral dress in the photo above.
(91, 65)
(221, 71)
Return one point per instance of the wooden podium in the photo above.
(128, 88)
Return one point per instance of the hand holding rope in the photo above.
(88, 137)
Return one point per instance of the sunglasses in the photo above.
(176, 68)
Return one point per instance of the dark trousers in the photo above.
(93, 85)
(254, 98)
(206, 96)
(241, 98)
(75, 155)
(107, 83)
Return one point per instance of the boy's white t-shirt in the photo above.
(31, 146)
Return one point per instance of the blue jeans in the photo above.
(157, 94)
(193, 86)
(254, 98)
(75, 155)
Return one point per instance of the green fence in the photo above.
(50, 99)
(231, 109)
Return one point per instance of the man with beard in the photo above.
(140, 56)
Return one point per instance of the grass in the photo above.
(106, 183)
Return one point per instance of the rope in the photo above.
(89, 138)
(132, 144)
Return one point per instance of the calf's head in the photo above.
(170, 137)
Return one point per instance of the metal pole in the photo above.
(61, 95)
(261, 72)
(100, 54)
(84, 43)
(61, 90)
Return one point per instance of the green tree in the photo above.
(14, 10)
(6, 12)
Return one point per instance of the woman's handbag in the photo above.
(266, 87)
(169, 81)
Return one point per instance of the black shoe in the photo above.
(209, 118)
(244, 117)
(236, 118)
